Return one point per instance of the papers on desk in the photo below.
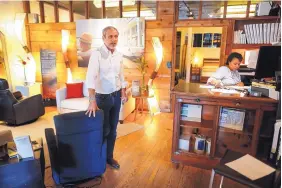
(250, 167)
(225, 91)
(207, 86)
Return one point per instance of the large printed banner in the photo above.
(48, 72)
(131, 41)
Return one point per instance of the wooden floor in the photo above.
(144, 157)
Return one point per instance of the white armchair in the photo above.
(81, 104)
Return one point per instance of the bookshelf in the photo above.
(241, 23)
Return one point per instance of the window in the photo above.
(236, 9)
(188, 10)
(78, 10)
(34, 8)
(129, 10)
(148, 10)
(64, 7)
(112, 8)
(95, 12)
(212, 9)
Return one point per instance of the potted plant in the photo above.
(142, 66)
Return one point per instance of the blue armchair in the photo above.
(78, 150)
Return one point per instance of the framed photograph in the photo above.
(131, 41)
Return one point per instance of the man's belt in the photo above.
(115, 93)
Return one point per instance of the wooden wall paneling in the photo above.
(71, 11)
(87, 10)
(166, 21)
(163, 33)
(52, 26)
(26, 9)
(223, 45)
(56, 11)
(165, 8)
(202, 23)
(120, 9)
(42, 13)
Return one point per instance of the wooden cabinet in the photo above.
(255, 138)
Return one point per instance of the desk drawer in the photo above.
(239, 104)
(199, 101)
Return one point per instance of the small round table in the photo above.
(141, 99)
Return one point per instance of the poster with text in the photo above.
(131, 41)
(49, 74)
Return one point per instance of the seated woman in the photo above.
(228, 75)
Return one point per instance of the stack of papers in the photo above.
(250, 167)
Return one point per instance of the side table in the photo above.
(28, 172)
(30, 90)
(141, 99)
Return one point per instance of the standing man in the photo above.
(106, 86)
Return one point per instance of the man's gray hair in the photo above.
(108, 28)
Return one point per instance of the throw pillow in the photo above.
(74, 90)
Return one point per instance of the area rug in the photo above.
(37, 128)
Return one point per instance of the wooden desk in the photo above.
(253, 139)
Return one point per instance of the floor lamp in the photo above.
(153, 102)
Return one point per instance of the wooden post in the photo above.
(200, 10)
(26, 8)
(56, 11)
(103, 9)
(248, 9)
(71, 11)
(225, 9)
(42, 13)
(138, 8)
(120, 9)
(87, 10)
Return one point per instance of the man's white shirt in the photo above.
(105, 71)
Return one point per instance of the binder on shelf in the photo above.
(268, 33)
(264, 33)
(272, 32)
(260, 34)
(191, 112)
(232, 118)
(247, 34)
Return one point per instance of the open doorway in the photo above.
(198, 53)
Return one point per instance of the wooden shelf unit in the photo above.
(257, 113)
(239, 25)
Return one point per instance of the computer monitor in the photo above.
(269, 61)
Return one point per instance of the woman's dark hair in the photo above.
(234, 55)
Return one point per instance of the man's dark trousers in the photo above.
(110, 104)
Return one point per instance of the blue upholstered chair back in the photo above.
(81, 151)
